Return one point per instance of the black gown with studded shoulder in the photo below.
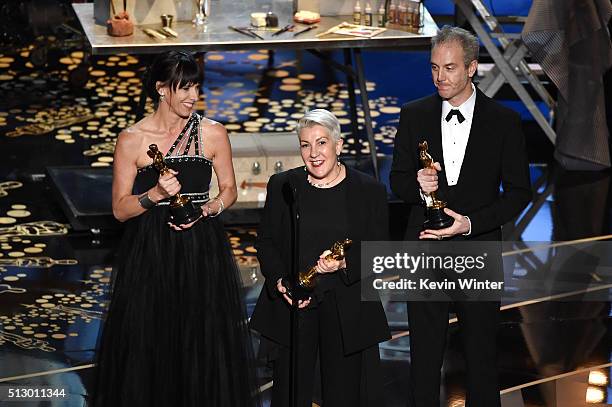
(175, 332)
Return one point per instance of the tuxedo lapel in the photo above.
(433, 135)
(477, 131)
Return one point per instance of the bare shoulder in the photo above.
(213, 129)
(130, 138)
(215, 137)
(137, 134)
(131, 143)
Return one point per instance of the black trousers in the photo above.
(319, 331)
(478, 323)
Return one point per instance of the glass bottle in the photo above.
(381, 14)
(409, 13)
(416, 14)
(402, 13)
(368, 15)
(357, 13)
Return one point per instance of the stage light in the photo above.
(594, 395)
(456, 402)
(598, 378)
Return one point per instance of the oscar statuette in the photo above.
(307, 279)
(435, 218)
(183, 211)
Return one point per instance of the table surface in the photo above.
(216, 36)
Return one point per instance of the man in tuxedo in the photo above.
(480, 146)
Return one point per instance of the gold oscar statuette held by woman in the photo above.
(436, 218)
(183, 211)
(307, 279)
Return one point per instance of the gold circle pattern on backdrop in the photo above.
(18, 213)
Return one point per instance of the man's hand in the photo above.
(428, 178)
(460, 226)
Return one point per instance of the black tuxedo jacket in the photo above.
(495, 154)
(363, 324)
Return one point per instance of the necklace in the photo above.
(325, 184)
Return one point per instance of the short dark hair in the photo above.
(468, 41)
(174, 69)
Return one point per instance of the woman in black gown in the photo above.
(175, 333)
(335, 203)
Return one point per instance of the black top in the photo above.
(363, 323)
(323, 222)
(194, 174)
(186, 157)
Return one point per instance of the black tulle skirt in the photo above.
(176, 332)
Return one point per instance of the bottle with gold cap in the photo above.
(416, 14)
(368, 15)
(381, 14)
(402, 12)
(357, 13)
(392, 12)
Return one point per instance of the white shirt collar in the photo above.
(466, 108)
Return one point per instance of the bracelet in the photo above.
(145, 201)
(221, 207)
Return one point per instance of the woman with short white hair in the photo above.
(335, 203)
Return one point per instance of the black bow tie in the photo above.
(455, 112)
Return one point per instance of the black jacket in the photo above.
(363, 324)
(495, 154)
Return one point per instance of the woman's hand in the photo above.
(167, 186)
(212, 207)
(184, 226)
(329, 266)
(281, 289)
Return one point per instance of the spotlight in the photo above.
(456, 402)
(598, 378)
(595, 395)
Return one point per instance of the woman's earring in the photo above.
(161, 97)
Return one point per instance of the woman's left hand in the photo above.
(211, 208)
(329, 266)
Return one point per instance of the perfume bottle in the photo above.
(368, 15)
(416, 14)
(409, 13)
(381, 14)
(402, 14)
(357, 13)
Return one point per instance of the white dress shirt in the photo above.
(455, 136)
